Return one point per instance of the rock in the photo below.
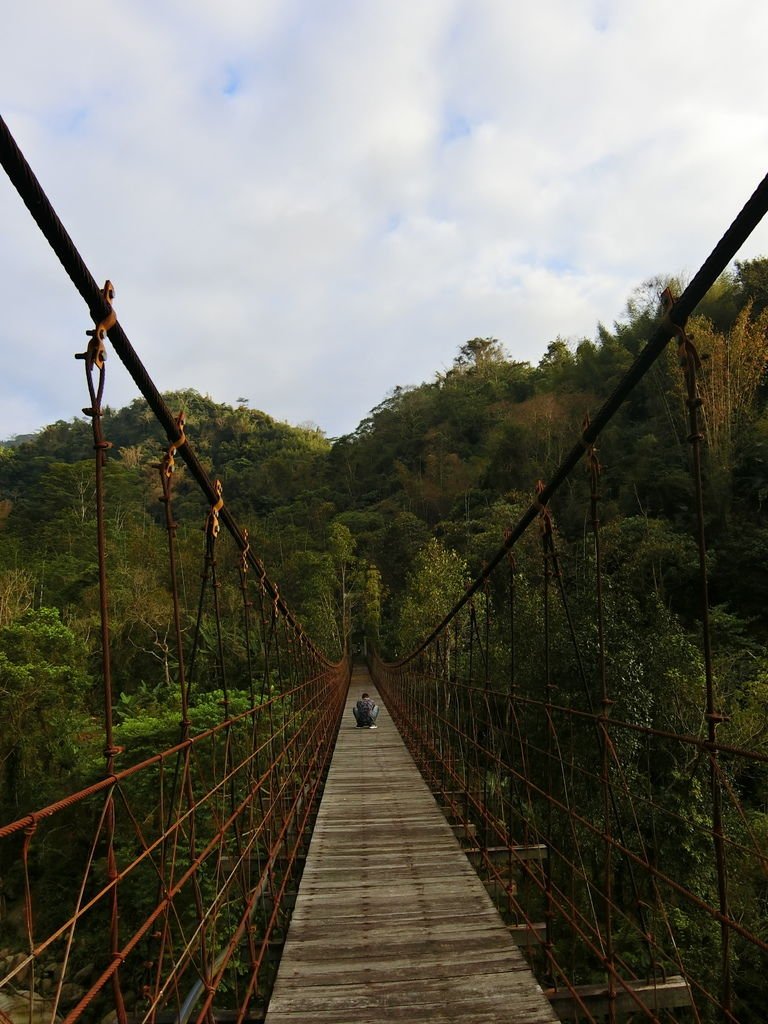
(24, 1008)
(71, 993)
(14, 961)
(85, 975)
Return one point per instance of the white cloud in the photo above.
(310, 203)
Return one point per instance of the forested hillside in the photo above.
(430, 478)
(374, 535)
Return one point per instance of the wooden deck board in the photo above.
(391, 922)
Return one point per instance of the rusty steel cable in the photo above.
(691, 365)
(431, 718)
(34, 198)
(413, 730)
(414, 733)
(215, 822)
(94, 359)
(457, 747)
(668, 327)
(412, 685)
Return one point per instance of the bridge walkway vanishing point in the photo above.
(391, 921)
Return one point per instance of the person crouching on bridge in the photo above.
(366, 712)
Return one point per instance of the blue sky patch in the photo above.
(73, 120)
(232, 82)
(455, 127)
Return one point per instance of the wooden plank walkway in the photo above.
(391, 922)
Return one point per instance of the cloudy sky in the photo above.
(308, 202)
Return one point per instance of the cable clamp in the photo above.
(686, 350)
(213, 524)
(545, 515)
(97, 353)
(245, 552)
(168, 465)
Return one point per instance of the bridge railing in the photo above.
(171, 879)
(575, 800)
(164, 882)
(594, 828)
(590, 771)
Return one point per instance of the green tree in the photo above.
(44, 691)
(480, 353)
(372, 596)
(752, 279)
(342, 549)
(436, 582)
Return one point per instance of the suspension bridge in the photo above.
(497, 850)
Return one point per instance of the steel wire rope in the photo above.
(561, 904)
(223, 783)
(166, 470)
(140, 933)
(296, 804)
(531, 831)
(661, 877)
(688, 739)
(18, 826)
(582, 873)
(512, 706)
(199, 931)
(661, 904)
(169, 897)
(690, 363)
(93, 359)
(674, 816)
(83, 909)
(594, 470)
(734, 237)
(220, 661)
(549, 543)
(602, 742)
(208, 582)
(679, 309)
(78, 905)
(418, 740)
(675, 959)
(34, 198)
(244, 579)
(267, 636)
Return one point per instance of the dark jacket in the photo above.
(364, 708)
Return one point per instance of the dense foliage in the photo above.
(371, 535)
(343, 524)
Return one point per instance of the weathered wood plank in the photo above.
(381, 934)
(410, 946)
(656, 995)
(507, 854)
(433, 967)
(391, 921)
